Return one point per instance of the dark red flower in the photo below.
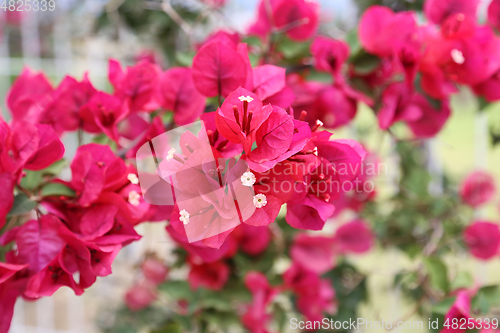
(438, 10)
(137, 84)
(478, 188)
(459, 313)
(252, 240)
(177, 93)
(299, 19)
(102, 114)
(314, 253)
(209, 275)
(494, 14)
(354, 237)
(95, 168)
(483, 239)
(154, 270)
(256, 317)
(140, 296)
(220, 67)
(385, 33)
(329, 54)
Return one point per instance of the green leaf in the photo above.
(171, 327)
(291, 49)
(184, 59)
(480, 303)
(55, 168)
(462, 280)
(353, 41)
(444, 306)
(438, 274)
(177, 289)
(365, 63)
(57, 189)
(22, 205)
(31, 180)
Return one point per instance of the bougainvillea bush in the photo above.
(266, 205)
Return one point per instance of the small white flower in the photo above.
(132, 177)
(457, 56)
(170, 154)
(248, 179)
(184, 217)
(245, 99)
(134, 198)
(259, 200)
(319, 123)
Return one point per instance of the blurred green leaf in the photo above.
(438, 274)
(22, 205)
(57, 189)
(462, 280)
(365, 63)
(177, 289)
(184, 59)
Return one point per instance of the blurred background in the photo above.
(80, 36)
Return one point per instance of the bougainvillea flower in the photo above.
(310, 214)
(95, 168)
(256, 317)
(274, 138)
(177, 93)
(7, 183)
(28, 95)
(494, 14)
(154, 270)
(38, 242)
(489, 89)
(197, 249)
(212, 276)
(314, 253)
(397, 106)
(252, 240)
(384, 33)
(137, 84)
(102, 114)
(140, 296)
(483, 239)
(299, 19)
(269, 84)
(340, 162)
(433, 118)
(319, 299)
(32, 147)
(8, 270)
(438, 10)
(335, 106)
(478, 188)
(240, 116)
(62, 112)
(329, 54)
(465, 53)
(354, 237)
(315, 295)
(226, 148)
(139, 131)
(459, 312)
(220, 67)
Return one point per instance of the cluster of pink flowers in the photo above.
(268, 119)
(482, 237)
(80, 233)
